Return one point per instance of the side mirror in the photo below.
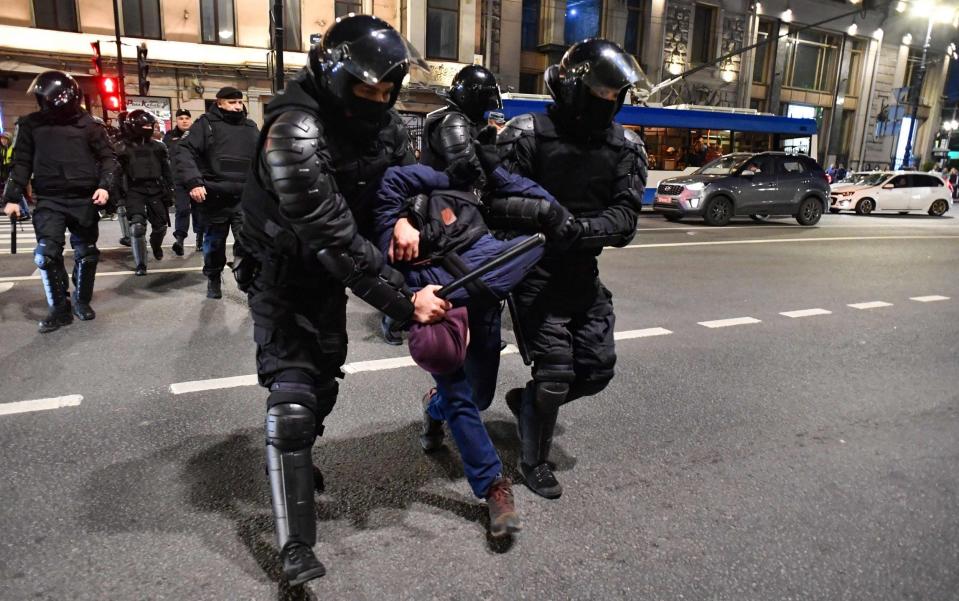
(888, 187)
(748, 173)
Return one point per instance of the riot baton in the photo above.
(13, 235)
(521, 248)
(518, 330)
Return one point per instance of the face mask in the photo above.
(597, 114)
(368, 110)
(233, 117)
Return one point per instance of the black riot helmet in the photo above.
(56, 92)
(139, 125)
(591, 81)
(362, 49)
(474, 91)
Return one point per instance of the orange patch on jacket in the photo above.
(448, 216)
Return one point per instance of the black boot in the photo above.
(199, 240)
(431, 433)
(536, 427)
(156, 244)
(125, 241)
(55, 284)
(178, 245)
(300, 565)
(213, 287)
(84, 272)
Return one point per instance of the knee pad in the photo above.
(138, 229)
(290, 417)
(159, 231)
(86, 253)
(594, 384)
(550, 395)
(47, 253)
(325, 400)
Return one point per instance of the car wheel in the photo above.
(673, 218)
(810, 211)
(865, 206)
(939, 208)
(833, 211)
(759, 218)
(719, 211)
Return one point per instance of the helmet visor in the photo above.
(377, 55)
(609, 73)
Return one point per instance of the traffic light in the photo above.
(97, 59)
(110, 93)
(143, 69)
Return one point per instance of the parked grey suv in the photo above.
(758, 185)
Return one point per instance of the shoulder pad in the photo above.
(455, 118)
(632, 137)
(295, 124)
(516, 128)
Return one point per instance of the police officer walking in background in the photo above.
(329, 137)
(185, 206)
(72, 164)
(146, 184)
(212, 160)
(597, 170)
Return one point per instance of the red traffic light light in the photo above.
(112, 102)
(108, 85)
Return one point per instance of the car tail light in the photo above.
(826, 177)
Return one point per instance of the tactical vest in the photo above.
(230, 149)
(143, 162)
(63, 161)
(580, 174)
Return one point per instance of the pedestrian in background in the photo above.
(212, 161)
(6, 161)
(185, 206)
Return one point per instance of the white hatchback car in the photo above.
(901, 191)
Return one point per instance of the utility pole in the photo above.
(914, 108)
(116, 33)
(277, 46)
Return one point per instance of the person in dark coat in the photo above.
(212, 161)
(186, 207)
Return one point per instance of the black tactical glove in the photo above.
(462, 173)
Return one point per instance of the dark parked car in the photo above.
(758, 185)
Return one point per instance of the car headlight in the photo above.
(697, 187)
(844, 193)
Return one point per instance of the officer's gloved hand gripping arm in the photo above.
(296, 159)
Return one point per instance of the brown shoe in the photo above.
(503, 519)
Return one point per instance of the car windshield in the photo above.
(872, 179)
(724, 165)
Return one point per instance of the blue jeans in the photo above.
(461, 395)
(214, 243)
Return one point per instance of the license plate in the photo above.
(666, 199)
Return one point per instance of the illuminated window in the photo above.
(217, 22)
(582, 20)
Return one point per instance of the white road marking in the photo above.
(870, 305)
(24, 278)
(72, 400)
(928, 299)
(725, 323)
(630, 334)
(784, 240)
(6, 286)
(805, 313)
(214, 384)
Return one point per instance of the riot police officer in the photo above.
(329, 137)
(597, 170)
(185, 206)
(212, 161)
(72, 164)
(146, 184)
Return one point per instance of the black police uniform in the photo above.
(597, 171)
(216, 153)
(307, 207)
(147, 188)
(186, 209)
(69, 157)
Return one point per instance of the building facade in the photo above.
(848, 73)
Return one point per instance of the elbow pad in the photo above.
(530, 213)
(386, 291)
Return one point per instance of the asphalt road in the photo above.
(760, 456)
